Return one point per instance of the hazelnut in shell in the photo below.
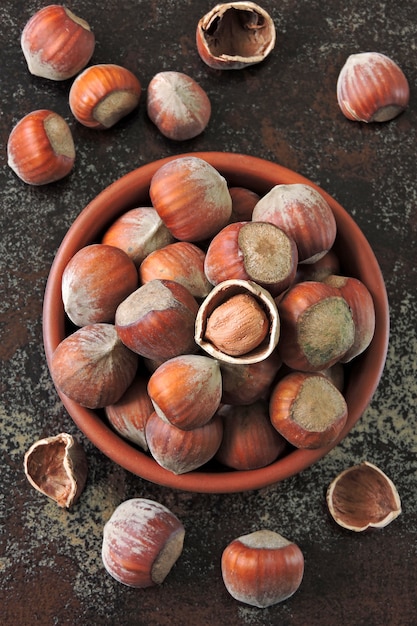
(308, 410)
(249, 439)
(92, 366)
(178, 450)
(191, 197)
(103, 94)
(317, 326)
(157, 320)
(128, 416)
(302, 212)
(256, 251)
(262, 568)
(181, 261)
(177, 105)
(362, 497)
(95, 281)
(142, 541)
(138, 232)
(186, 390)
(371, 87)
(40, 148)
(56, 43)
(57, 467)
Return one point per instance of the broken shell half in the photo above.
(224, 292)
(234, 35)
(362, 497)
(57, 467)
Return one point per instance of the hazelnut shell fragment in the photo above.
(57, 467)
(234, 35)
(363, 497)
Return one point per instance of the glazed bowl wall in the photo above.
(357, 260)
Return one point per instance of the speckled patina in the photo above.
(285, 110)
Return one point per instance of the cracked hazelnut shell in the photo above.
(362, 497)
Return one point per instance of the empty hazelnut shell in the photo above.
(362, 497)
(234, 35)
(57, 467)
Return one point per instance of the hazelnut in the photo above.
(157, 320)
(178, 450)
(304, 214)
(308, 410)
(262, 568)
(40, 148)
(249, 439)
(177, 105)
(103, 94)
(185, 184)
(142, 541)
(56, 43)
(186, 390)
(92, 366)
(138, 232)
(94, 282)
(371, 87)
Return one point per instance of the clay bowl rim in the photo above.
(260, 175)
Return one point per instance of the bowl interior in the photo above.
(357, 259)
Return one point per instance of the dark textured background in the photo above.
(284, 110)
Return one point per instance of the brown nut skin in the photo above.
(178, 450)
(95, 281)
(138, 232)
(157, 320)
(362, 497)
(57, 467)
(128, 416)
(371, 87)
(249, 439)
(234, 35)
(40, 148)
(308, 410)
(56, 43)
(304, 214)
(186, 390)
(142, 541)
(92, 366)
(177, 105)
(262, 568)
(185, 185)
(317, 326)
(103, 94)
(181, 261)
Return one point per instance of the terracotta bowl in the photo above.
(357, 259)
